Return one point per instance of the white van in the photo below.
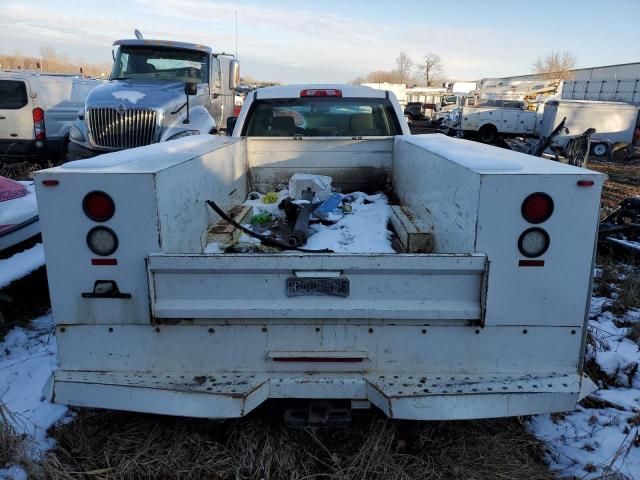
(37, 111)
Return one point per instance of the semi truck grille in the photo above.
(113, 128)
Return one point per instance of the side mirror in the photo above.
(234, 74)
(191, 89)
(231, 124)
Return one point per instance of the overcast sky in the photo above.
(337, 40)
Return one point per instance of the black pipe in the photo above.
(262, 238)
(299, 235)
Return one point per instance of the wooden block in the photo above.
(413, 239)
(223, 232)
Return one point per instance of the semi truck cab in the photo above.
(158, 91)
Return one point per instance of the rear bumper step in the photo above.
(230, 395)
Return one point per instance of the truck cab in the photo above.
(158, 91)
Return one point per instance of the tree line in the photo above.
(429, 70)
(52, 62)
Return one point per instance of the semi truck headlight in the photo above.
(102, 241)
(533, 242)
(184, 133)
(76, 134)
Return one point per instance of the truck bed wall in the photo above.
(354, 165)
(181, 191)
(442, 195)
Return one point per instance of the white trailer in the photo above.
(491, 322)
(614, 122)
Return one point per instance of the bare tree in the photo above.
(558, 65)
(431, 67)
(404, 64)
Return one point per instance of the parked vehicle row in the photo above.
(37, 112)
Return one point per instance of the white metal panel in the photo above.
(442, 195)
(69, 261)
(182, 190)
(381, 286)
(553, 294)
(352, 164)
(385, 347)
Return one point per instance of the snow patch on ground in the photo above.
(21, 264)
(27, 360)
(591, 442)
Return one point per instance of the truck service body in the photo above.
(481, 326)
(145, 100)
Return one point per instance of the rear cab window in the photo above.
(13, 94)
(322, 117)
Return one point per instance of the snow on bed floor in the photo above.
(591, 442)
(27, 359)
(364, 230)
(21, 264)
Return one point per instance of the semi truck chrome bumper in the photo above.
(235, 394)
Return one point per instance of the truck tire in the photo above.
(599, 149)
(488, 133)
(620, 151)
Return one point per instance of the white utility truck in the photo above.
(499, 116)
(486, 319)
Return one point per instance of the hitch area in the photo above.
(318, 413)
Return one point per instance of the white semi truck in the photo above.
(489, 321)
(158, 91)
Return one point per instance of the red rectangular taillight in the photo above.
(38, 124)
(321, 92)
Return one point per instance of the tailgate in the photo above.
(329, 286)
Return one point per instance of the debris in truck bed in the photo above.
(360, 226)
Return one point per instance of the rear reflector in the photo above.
(321, 92)
(50, 183)
(531, 263)
(104, 261)
(585, 183)
(318, 359)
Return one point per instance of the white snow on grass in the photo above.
(21, 264)
(591, 442)
(27, 360)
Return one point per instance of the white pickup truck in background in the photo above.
(485, 320)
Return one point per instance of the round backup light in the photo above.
(102, 241)
(537, 207)
(533, 242)
(98, 206)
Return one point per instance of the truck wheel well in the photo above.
(488, 133)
